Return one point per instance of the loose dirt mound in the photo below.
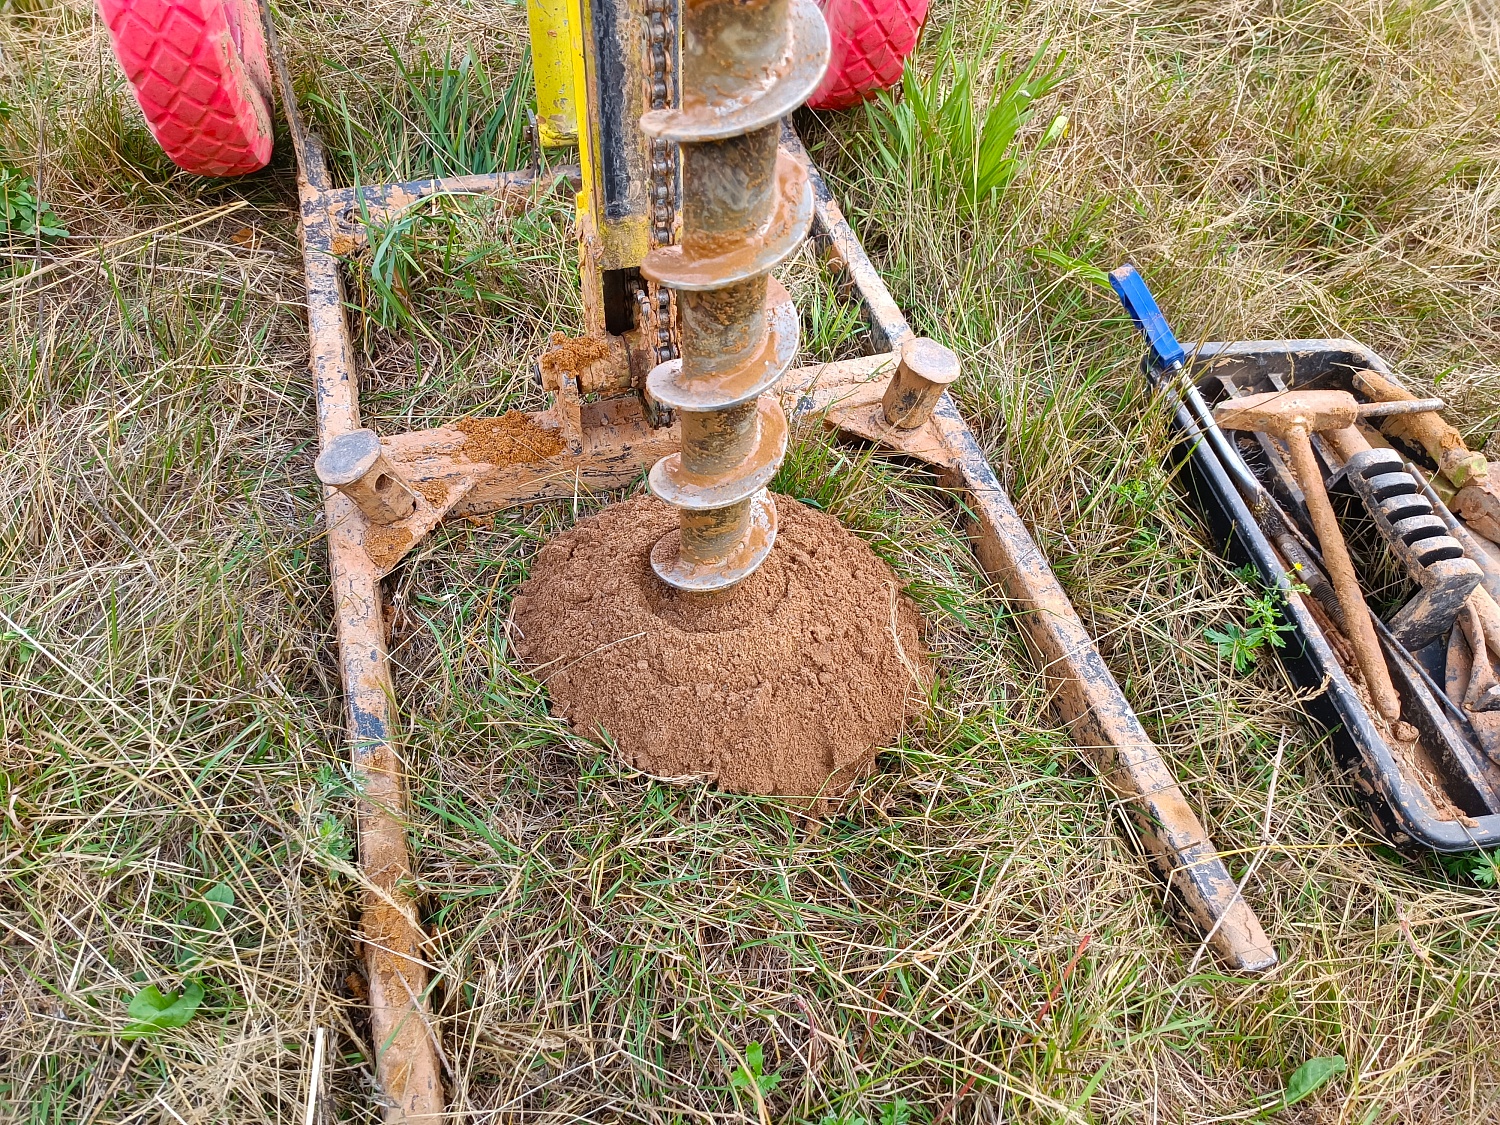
(785, 685)
(509, 439)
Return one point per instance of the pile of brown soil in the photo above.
(385, 545)
(511, 439)
(786, 684)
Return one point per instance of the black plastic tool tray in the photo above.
(1399, 805)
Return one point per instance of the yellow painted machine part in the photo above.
(557, 61)
(566, 114)
(579, 81)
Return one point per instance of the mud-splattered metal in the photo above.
(746, 208)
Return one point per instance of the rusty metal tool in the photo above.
(1416, 534)
(1483, 690)
(1305, 558)
(1421, 425)
(1478, 502)
(746, 208)
(1472, 685)
(1488, 567)
(1478, 499)
(1169, 355)
(1434, 559)
(849, 396)
(1471, 681)
(1294, 416)
(1404, 406)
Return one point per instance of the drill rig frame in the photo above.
(384, 494)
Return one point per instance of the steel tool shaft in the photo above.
(1277, 412)
(746, 207)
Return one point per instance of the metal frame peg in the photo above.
(354, 464)
(924, 372)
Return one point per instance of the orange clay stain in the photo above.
(386, 545)
(511, 439)
(575, 353)
(433, 491)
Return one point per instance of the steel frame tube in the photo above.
(1086, 695)
(408, 1063)
(402, 1037)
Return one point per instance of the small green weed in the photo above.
(1481, 867)
(22, 213)
(755, 1060)
(1241, 644)
(897, 1111)
(332, 841)
(1306, 1081)
(202, 919)
(152, 1011)
(937, 128)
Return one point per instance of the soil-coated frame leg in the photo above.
(402, 1036)
(1098, 716)
(406, 1062)
(1085, 694)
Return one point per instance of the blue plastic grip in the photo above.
(1131, 289)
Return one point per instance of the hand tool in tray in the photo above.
(1424, 749)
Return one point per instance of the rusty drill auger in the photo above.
(746, 207)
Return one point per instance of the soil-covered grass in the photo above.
(970, 937)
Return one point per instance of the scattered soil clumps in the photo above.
(385, 545)
(785, 685)
(511, 439)
(572, 356)
(433, 491)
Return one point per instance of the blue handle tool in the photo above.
(1131, 289)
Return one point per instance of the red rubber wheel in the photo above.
(199, 71)
(871, 39)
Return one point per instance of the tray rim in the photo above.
(1354, 734)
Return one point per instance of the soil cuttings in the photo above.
(511, 439)
(787, 684)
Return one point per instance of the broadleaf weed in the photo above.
(23, 214)
(1241, 644)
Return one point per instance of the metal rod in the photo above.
(1268, 514)
(406, 1060)
(1413, 406)
(1089, 700)
(1196, 416)
(1341, 572)
(840, 244)
(746, 207)
(1251, 489)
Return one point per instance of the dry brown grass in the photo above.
(607, 946)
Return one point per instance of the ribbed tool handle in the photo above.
(1131, 289)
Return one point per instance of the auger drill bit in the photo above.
(746, 207)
